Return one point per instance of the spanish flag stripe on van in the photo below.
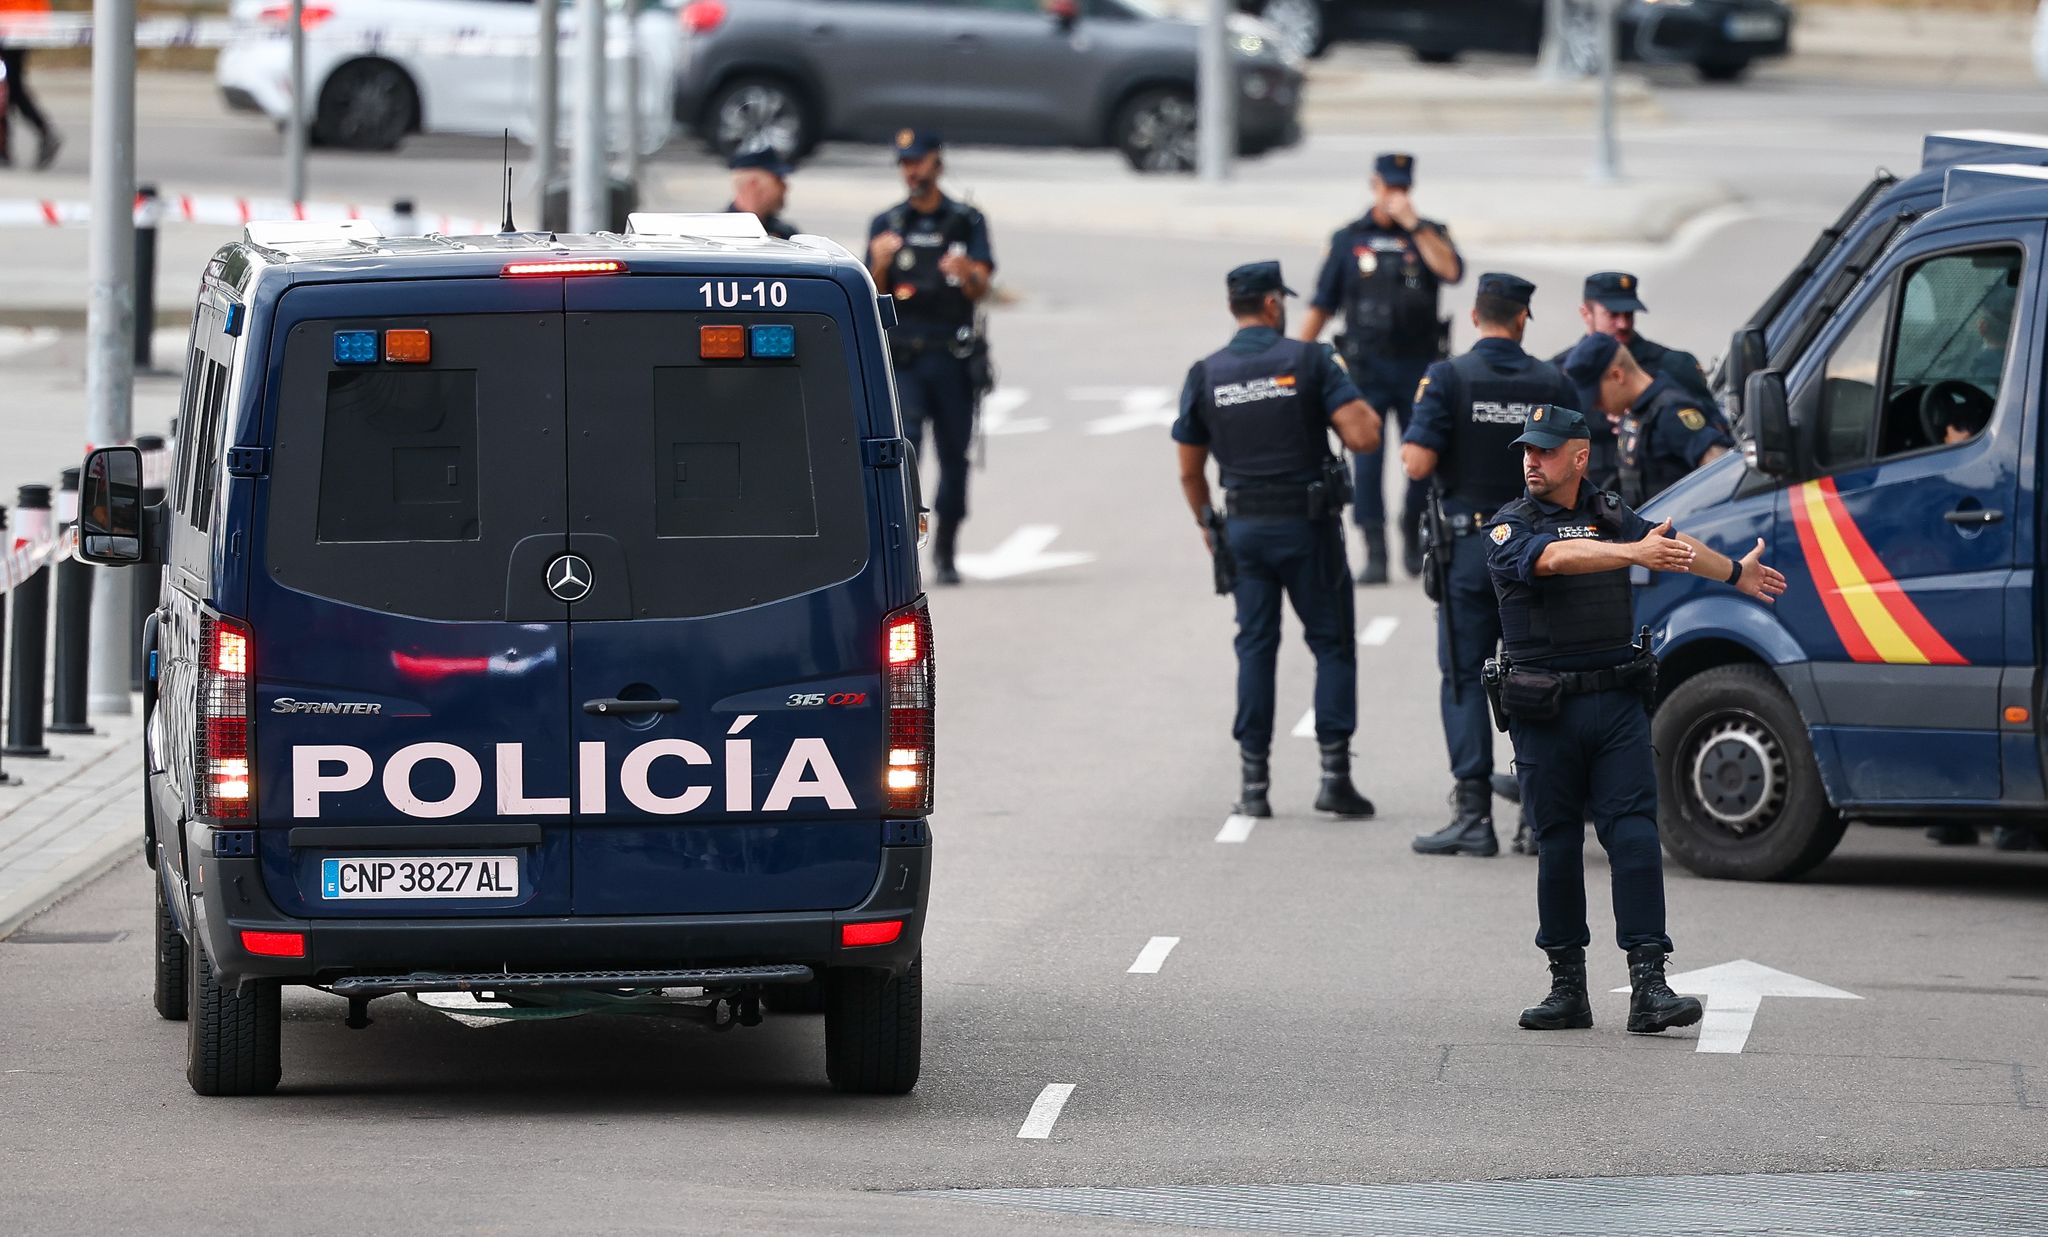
(1874, 618)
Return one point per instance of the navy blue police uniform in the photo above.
(1469, 411)
(1664, 434)
(1375, 276)
(1262, 406)
(769, 160)
(935, 343)
(1621, 292)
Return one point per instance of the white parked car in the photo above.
(377, 70)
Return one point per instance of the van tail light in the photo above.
(225, 782)
(703, 16)
(911, 681)
(281, 15)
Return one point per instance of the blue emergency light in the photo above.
(355, 347)
(771, 341)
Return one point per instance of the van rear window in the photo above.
(398, 456)
(736, 454)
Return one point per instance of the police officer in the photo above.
(1609, 306)
(1663, 430)
(933, 254)
(1383, 272)
(1467, 412)
(760, 187)
(1264, 406)
(1574, 698)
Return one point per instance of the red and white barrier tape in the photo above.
(28, 557)
(230, 212)
(75, 30)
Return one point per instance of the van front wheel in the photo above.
(874, 1029)
(231, 1041)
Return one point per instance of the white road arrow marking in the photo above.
(452, 1004)
(1046, 1110)
(1142, 408)
(1733, 992)
(1153, 956)
(1236, 829)
(1021, 553)
(998, 414)
(1379, 631)
(1306, 727)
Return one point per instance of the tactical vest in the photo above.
(923, 297)
(1390, 310)
(1489, 409)
(1265, 413)
(1563, 615)
(1646, 473)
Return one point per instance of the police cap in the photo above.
(1552, 425)
(1508, 287)
(1591, 357)
(1396, 171)
(1615, 291)
(766, 158)
(1256, 279)
(915, 144)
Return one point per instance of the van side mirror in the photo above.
(1747, 353)
(110, 512)
(1768, 418)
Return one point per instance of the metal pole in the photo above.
(1216, 97)
(110, 312)
(74, 616)
(295, 125)
(148, 211)
(547, 88)
(31, 605)
(632, 66)
(589, 190)
(1550, 52)
(1607, 163)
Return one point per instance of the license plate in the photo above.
(419, 877)
(1754, 27)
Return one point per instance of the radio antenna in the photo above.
(507, 225)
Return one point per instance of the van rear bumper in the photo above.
(231, 900)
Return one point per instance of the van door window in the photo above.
(1948, 354)
(398, 456)
(1848, 398)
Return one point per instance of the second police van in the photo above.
(1895, 466)
(540, 619)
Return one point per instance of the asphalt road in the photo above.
(1336, 1008)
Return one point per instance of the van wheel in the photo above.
(171, 962)
(1155, 130)
(366, 105)
(231, 1040)
(1740, 794)
(874, 1029)
(795, 998)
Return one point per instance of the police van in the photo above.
(540, 618)
(1895, 466)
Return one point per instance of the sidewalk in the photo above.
(73, 816)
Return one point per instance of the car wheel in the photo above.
(231, 1039)
(756, 113)
(169, 991)
(1723, 70)
(795, 998)
(1431, 55)
(874, 1029)
(1739, 791)
(1156, 130)
(1299, 23)
(366, 105)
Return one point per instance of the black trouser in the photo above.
(935, 389)
(18, 97)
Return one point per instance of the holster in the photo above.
(1222, 561)
(1491, 676)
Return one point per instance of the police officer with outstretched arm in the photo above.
(760, 187)
(1573, 689)
(1384, 272)
(1467, 413)
(1264, 406)
(932, 253)
(1663, 431)
(1611, 301)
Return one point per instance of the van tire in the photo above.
(170, 988)
(874, 1029)
(1740, 718)
(231, 1040)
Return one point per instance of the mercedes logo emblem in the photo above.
(569, 577)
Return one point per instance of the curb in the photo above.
(67, 878)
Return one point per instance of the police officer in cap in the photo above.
(1663, 430)
(932, 253)
(1574, 697)
(760, 187)
(1467, 412)
(1383, 272)
(1264, 406)
(1609, 307)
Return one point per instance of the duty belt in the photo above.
(1290, 502)
(1628, 676)
(1463, 525)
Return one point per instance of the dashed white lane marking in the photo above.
(1022, 552)
(1153, 956)
(1379, 631)
(1306, 727)
(998, 413)
(1143, 408)
(1236, 829)
(1046, 1110)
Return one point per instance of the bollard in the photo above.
(74, 624)
(404, 222)
(4, 545)
(30, 607)
(148, 580)
(148, 211)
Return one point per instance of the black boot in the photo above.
(1471, 829)
(1252, 799)
(1525, 841)
(1652, 1005)
(1506, 787)
(47, 144)
(1411, 553)
(944, 541)
(1566, 1008)
(1375, 569)
(1338, 795)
